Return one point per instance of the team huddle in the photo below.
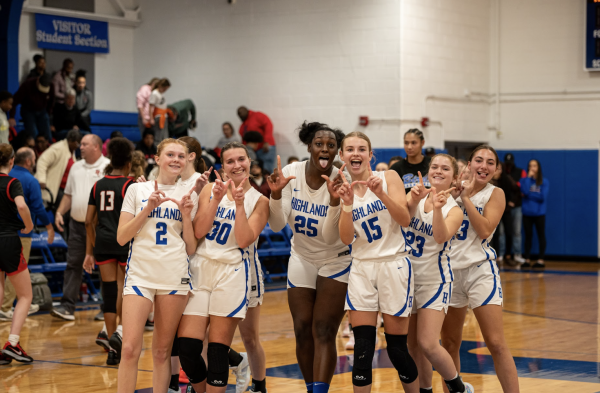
(186, 249)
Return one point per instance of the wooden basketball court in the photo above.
(551, 320)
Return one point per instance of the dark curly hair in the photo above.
(120, 151)
(307, 132)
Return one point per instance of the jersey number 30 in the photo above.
(220, 232)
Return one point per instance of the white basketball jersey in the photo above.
(191, 181)
(467, 247)
(157, 253)
(307, 215)
(430, 259)
(378, 236)
(219, 244)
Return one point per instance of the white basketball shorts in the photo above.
(477, 285)
(303, 273)
(432, 297)
(150, 293)
(257, 287)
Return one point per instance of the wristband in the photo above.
(348, 208)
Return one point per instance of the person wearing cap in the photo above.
(36, 97)
(515, 174)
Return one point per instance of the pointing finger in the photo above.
(218, 176)
(326, 178)
(447, 192)
(420, 178)
(155, 185)
(209, 170)
(279, 163)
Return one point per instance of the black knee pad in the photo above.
(401, 359)
(190, 356)
(110, 292)
(364, 349)
(218, 364)
(175, 347)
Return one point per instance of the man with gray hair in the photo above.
(67, 117)
(82, 177)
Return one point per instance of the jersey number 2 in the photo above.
(161, 231)
(374, 227)
(107, 201)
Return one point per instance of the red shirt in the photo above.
(263, 188)
(63, 182)
(258, 121)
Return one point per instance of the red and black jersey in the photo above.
(10, 223)
(107, 195)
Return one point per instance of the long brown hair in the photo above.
(195, 147)
(138, 164)
(6, 153)
(484, 147)
(539, 177)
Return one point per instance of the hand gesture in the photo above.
(334, 184)
(88, 263)
(186, 204)
(156, 198)
(439, 200)
(202, 181)
(220, 188)
(467, 187)
(239, 193)
(277, 181)
(375, 184)
(346, 190)
(419, 191)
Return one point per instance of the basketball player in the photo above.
(318, 271)
(435, 219)
(381, 277)
(106, 200)
(157, 218)
(221, 270)
(12, 263)
(476, 277)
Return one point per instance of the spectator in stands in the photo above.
(6, 100)
(258, 121)
(147, 146)
(184, 118)
(40, 67)
(36, 97)
(63, 81)
(67, 117)
(41, 144)
(253, 140)
(515, 174)
(229, 135)
(535, 200)
(159, 110)
(22, 171)
(143, 104)
(84, 99)
(53, 167)
(80, 181)
(394, 160)
(258, 179)
(292, 159)
(382, 167)
(114, 134)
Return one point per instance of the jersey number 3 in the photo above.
(107, 201)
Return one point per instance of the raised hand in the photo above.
(334, 184)
(156, 198)
(374, 183)
(439, 200)
(419, 191)
(239, 193)
(346, 190)
(220, 188)
(277, 181)
(186, 204)
(202, 181)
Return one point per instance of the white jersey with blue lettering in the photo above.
(157, 253)
(378, 236)
(220, 244)
(430, 259)
(305, 209)
(467, 247)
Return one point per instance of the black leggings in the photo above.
(540, 228)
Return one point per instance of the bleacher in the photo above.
(105, 122)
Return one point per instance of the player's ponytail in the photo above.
(6, 153)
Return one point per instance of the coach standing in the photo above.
(82, 177)
(258, 121)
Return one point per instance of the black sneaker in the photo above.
(189, 389)
(525, 265)
(113, 358)
(61, 312)
(102, 340)
(149, 325)
(4, 360)
(538, 265)
(116, 342)
(16, 352)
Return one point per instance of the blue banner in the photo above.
(592, 35)
(71, 34)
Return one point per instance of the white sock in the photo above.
(104, 328)
(120, 330)
(13, 339)
(151, 316)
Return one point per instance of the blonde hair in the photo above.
(453, 163)
(138, 164)
(169, 141)
(357, 134)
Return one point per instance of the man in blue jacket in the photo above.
(24, 164)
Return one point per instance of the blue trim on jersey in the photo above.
(346, 270)
(492, 250)
(483, 248)
(189, 273)
(290, 283)
(137, 291)
(407, 289)
(173, 292)
(434, 298)
(349, 302)
(245, 301)
(440, 263)
(128, 259)
(493, 290)
(256, 270)
(404, 236)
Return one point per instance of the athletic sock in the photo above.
(120, 330)
(259, 386)
(13, 339)
(426, 390)
(234, 358)
(104, 329)
(174, 384)
(320, 387)
(455, 385)
(309, 387)
(151, 316)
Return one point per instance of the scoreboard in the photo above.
(592, 35)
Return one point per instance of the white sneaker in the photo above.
(468, 387)
(6, 316)
(33, 308)
(242, 374)
(519, 258)
(174, 391)
(350, 343)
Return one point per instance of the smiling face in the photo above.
(441, 173)
(483, 166)
(323, 150)
(357, 155)
(236, 164)
(172, 159)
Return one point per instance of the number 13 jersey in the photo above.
(157, 253)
